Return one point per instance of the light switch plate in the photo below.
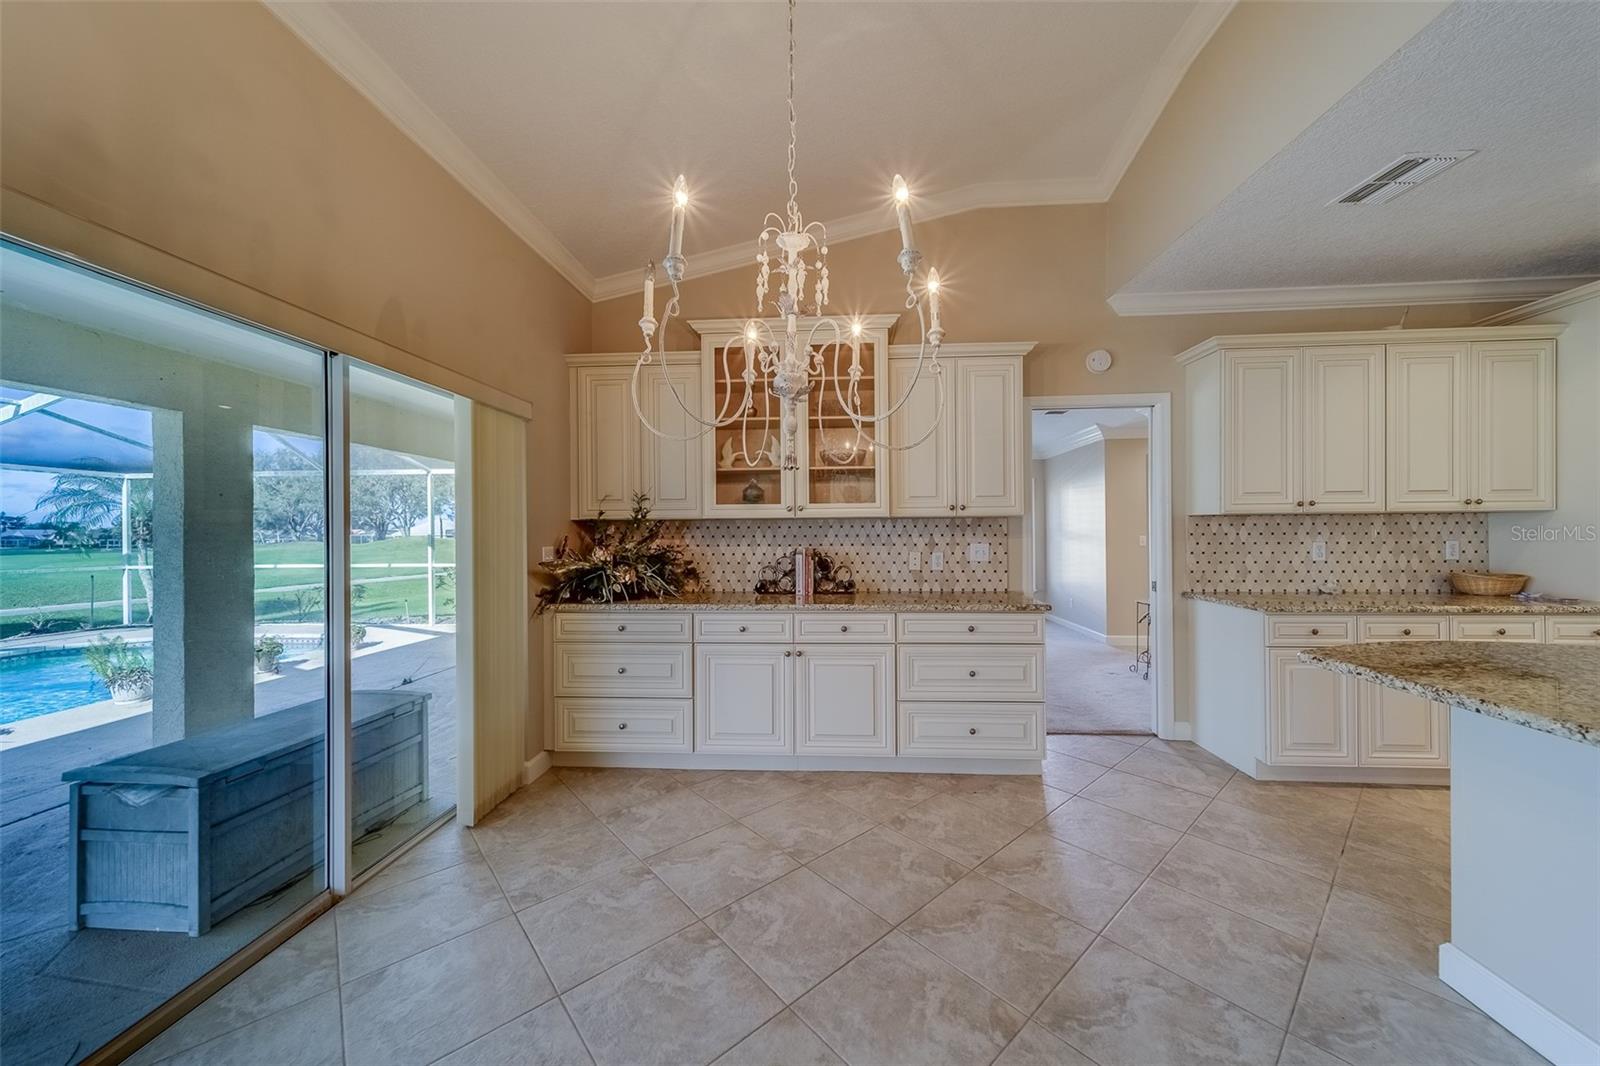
(1452, 549)
(936, 560)
(547, 554)
(978, 551)
(1319, 551)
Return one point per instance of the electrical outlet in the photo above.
(914, 560)
(1452, 549)
(978, 551)
(1319, 551)
(547, 554)
(1144, 541)
(936, 560)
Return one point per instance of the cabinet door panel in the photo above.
(843, 699)
(989, 460)
(741, 698)
(1427, 404)
(669, 470)
(607, 439)
(1262, 443)
(1401, 728)
(1513, 425)
(1344, 428)
(1311, 713)
(923, 478)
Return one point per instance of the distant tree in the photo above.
(81, 505)
(444, 502)
(385, 504)
(289, 503)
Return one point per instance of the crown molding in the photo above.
(1181, 52)
(1545, 306)
(1042, 193)
(1321, 297)
(331, 38)
(1369, 336)
(966, 349)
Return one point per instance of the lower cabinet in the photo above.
(622, 725)
(743, 698)
(990, 730)
(1311, 713)
(843, 699)
(1399, 728)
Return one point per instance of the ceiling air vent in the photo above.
(1403, 174)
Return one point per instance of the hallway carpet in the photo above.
(1088, 687)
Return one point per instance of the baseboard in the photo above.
(1527, 1020)
(894, 764)
(1371, 775)
(535, 767)
(1092, 634)
(1122, 642)
(1181, 731)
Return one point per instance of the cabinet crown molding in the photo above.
(629, 358)
(957, 351)
(716, 326)
(1372, 336)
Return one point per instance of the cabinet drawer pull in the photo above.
(844, 629)
(743, 628)
(622, 725)
(1314, 632)
(1405, 632)
(1500, 632)
(972, 732)
(1597, 632)
(972, 673)
(622, 669)
(621, 629)
(972, 629)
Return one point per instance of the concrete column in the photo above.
(204, 576)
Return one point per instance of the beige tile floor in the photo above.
(1141, 905)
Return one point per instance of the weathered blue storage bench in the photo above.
(178, 837)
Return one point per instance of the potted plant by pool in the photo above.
(269, 654)
(123, 668)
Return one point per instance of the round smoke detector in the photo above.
(1098, 361)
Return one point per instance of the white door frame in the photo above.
(1160, 405)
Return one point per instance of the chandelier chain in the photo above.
(794, 187)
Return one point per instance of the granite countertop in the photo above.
(1554, 688)
(951, 602)
(1372, 603)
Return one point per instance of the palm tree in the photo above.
(79, 504)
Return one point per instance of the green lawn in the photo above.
(31, 578)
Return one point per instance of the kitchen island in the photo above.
(1524, 826)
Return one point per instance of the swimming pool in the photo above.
(46, 680)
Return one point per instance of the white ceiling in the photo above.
(1055, 433)
(570, 120)
(1518, 82)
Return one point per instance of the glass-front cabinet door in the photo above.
(839, 471)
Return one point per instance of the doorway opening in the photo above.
(1098, 529)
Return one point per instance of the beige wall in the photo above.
(1127, 519)
(1074, 548)
(1267, 73)
(1034, 274)
(204, 149)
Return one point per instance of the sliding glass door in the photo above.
(227, 640)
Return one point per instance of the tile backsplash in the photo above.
(731, 552)
(1384, 554)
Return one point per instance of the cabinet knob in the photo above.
(789, 507)
(622, 725)
(1597, 632)
(972, 732)
(802, 507)
(1500, 632)
(787, 654)
(621, 628)
(1314, 632)
(1311, 503)
(844, 629)
(622, 669)
(799, 653)
(952, 507)
(1468, 502)
(1479, 500)
(1405, 632)
(1299, 503)
(743, 628)
(963, 507)
(972, 629)
(972, 673)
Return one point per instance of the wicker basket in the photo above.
(1487, 584)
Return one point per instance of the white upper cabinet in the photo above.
(974, 462)
(1442, 420)
(1428, 426)
(614, 456)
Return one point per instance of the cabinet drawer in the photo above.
(624, 627)
(1519, 628)
(1304, 631)
(941, 672)
(659, 670)
(739, 627)
(843, 627)
(1572, 629)
(972, 730)
(622, 725)
(1405, 627)
(1014, 628)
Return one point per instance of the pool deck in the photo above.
(106, 979)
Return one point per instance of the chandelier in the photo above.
(820, 355)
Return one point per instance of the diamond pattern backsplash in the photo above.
(1384, 554)
(731, 552)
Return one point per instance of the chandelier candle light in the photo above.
(791, 367)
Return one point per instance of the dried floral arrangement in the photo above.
(623, 560)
